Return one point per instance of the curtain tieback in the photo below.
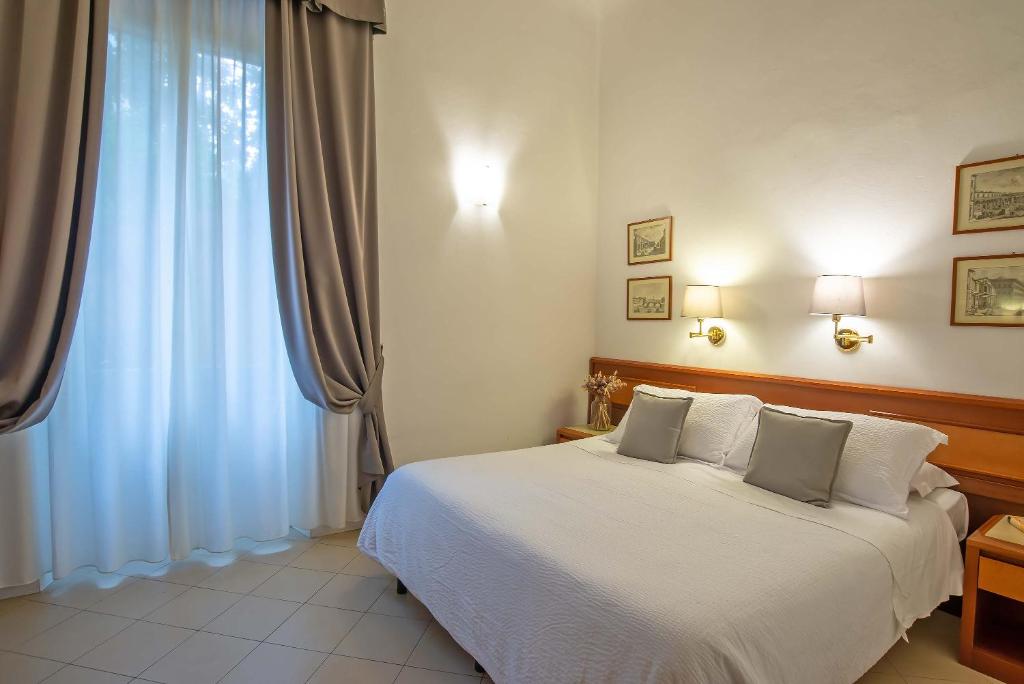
(370, 400)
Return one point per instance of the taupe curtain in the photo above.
(323, 210)
(52, 67)
(370, 11)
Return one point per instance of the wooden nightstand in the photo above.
(992, 626)
(571, 432)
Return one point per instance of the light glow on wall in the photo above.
(728, 268)
(864, 243)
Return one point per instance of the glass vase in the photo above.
(600, 417)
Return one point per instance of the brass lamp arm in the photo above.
(848, 339)
(714, 334)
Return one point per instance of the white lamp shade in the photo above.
(838, 294)
(702, 301)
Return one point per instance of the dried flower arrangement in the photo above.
(602, 386)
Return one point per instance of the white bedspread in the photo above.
(570, 563)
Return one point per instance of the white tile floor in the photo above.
(286, 611)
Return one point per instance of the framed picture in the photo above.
(649, 299)
(988, 290)
(989, 196)
(649, 241)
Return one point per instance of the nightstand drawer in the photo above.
(1001, 578)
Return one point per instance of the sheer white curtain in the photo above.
(179, 424)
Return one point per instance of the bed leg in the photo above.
(401, 587)
(479, 668)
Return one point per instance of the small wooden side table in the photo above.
(992, 625)
(570, 432)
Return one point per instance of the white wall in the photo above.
(788, 139)
(799, 137)
(488, 317)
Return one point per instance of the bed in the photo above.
(571, 563)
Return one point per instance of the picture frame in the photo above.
(649, 299)
(649, 241)
(989, 195)
(988, 291)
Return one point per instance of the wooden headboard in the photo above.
(986, 434)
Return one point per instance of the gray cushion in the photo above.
(797, 456)
(654, 426)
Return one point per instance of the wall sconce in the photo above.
(700, 302)
(487, 186)
(478, 184)
(838, 296)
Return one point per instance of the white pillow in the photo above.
(929, 478)
(711, 426)
(881, 458)
(738, 457)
